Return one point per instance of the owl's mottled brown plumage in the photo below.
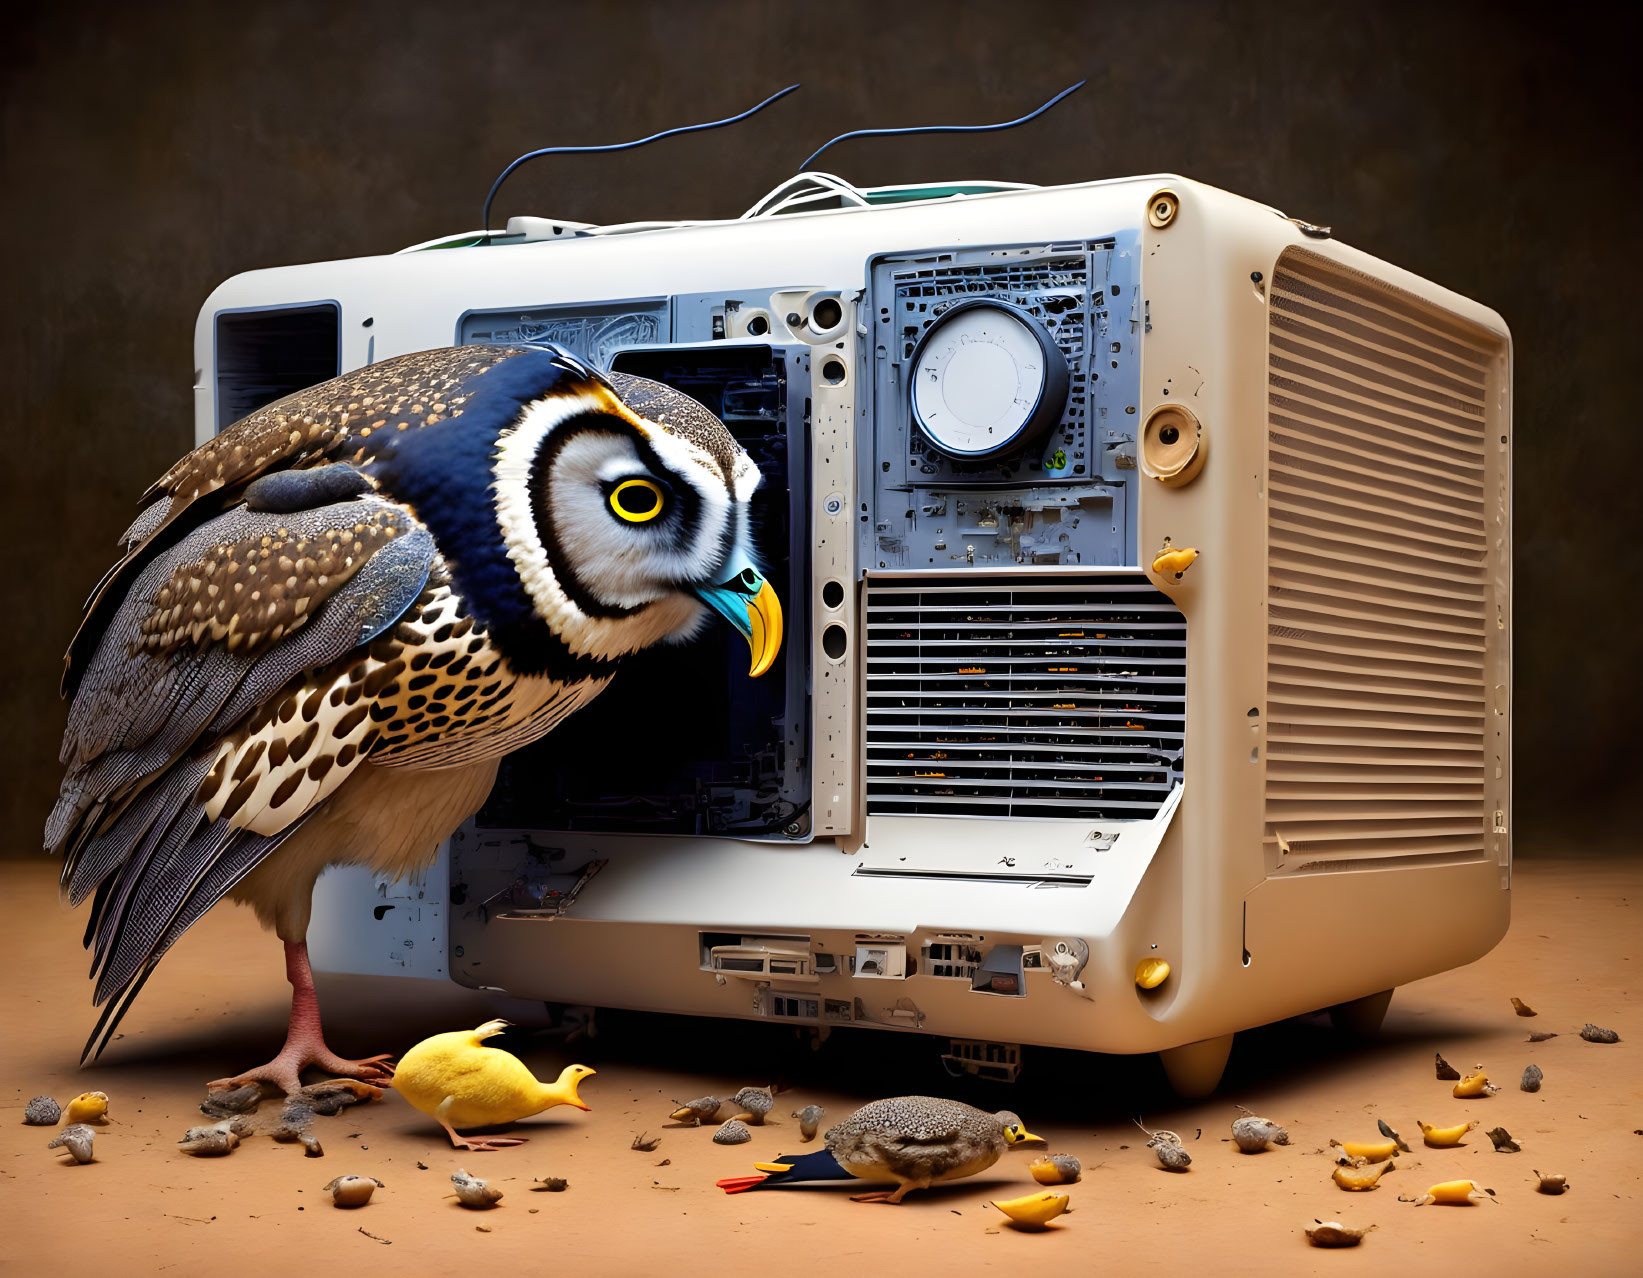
(323, 635)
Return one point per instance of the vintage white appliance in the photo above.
(1024, 744)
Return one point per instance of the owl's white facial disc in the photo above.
(610, 523)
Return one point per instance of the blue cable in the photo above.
(485, 220)
(946, 128)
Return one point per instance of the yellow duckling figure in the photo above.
(459, 1082)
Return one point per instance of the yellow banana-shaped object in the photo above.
(1444, 1137)
(1361, 1177)
(1172, 559)
(1034, 1209)
(87, 1107)
(1454, 1193)
(1373, 1150)
(1475, 1085)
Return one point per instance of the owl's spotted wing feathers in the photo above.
(311, 428)
(191, 687)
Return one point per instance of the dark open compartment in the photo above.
(683, 741)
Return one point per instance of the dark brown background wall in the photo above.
(150, 151)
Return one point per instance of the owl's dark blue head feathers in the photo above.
(577, 529)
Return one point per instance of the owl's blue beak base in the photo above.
(744, 599)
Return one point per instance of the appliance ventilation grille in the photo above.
(1040, 696)
(1377, 585)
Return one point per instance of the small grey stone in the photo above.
(1170, 1154)
(1531, 1079)
(77, 1140)
(1255, 1134)
(1595, 1034)
(733, 1132)
(809, 1120)
(42, 1111)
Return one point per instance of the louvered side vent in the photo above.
(1019, 696)
(1378, 585)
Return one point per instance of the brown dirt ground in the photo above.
(218, 1003)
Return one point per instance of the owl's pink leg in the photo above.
(305, 1040)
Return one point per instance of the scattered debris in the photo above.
(698, 1111)
(1387, 1131)
(1541, 1037)
(77, 1140)
(1034, 1211)
(240, 1100)
(1331, 1233)
(352, 1191)
(1452, 1193)
(1444, 1137)
(42, 1111)
(666, 1162)
(311, 1148)
(1369, 1151)
(1167, 1146)
(550, 1184)
(473, 1192)
(733, 1132)
(1522, 1008)
(1475, 1085)
(1056, 1169)
(1551, 1184)
(756, 1102)
(1596, 1034)
(87, 1107)
(1253, 1134)
(1447, 1073)
(1504, 1144)
(1531, 1078)
(644, 1142)
(1357, 1178)
(215, 1140)
(335, 1095)
(387, 1242)
(809, 1120)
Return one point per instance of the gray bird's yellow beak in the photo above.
(744, 599)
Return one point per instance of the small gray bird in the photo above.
(916, 1141)
(335, 617)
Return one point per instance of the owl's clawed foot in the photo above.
(285, 1070)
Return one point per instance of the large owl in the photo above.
(334, 618)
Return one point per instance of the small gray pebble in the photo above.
(1171, 1155)
(1595, 1034)
(1531, 1079)
(1253, 1135)
(77, 1140)
(809, 1120)
(42, 1111)
(240, 1100)
(733, 1132)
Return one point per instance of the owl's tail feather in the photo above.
(132, 953)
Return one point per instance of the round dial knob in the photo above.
(986, 379)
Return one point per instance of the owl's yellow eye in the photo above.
(637, 501)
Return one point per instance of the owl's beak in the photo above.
(746, 601)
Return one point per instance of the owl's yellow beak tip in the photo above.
(764, 618)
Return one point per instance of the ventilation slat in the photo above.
(1379, 617)
(1023, 696)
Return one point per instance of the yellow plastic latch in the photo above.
(1150, 973)
(1174, 560)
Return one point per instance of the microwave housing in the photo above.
(1013, 749)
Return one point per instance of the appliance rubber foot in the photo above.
(1361, 1017)
(1194, 1069)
